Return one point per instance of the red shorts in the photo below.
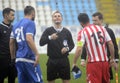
(98, 72)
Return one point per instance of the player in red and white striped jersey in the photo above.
(95, 39)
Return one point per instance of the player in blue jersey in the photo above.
(27, 56)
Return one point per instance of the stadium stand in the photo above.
(70, 10)
(44, 8)
(110, 10)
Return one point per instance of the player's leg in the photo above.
(64, 70)
(94, 72)
(66, 81)
(106, 74)
(33, 73)
(22, 78)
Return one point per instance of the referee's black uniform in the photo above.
(6, 69)
(58, 65)
(112, 36)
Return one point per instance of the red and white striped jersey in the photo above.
(94, 37)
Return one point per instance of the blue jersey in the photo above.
(19, 32)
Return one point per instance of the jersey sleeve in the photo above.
(80, 38)
(12, 35)
(30, 29)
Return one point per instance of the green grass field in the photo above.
(43, 60)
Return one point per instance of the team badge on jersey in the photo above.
(65, 43)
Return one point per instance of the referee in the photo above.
(59, 43)
(7, 69)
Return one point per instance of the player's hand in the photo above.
(54, 36)
(12, 63)
(116, 66)
(112, 62)
(73, 65)
(83, 63)
(64, 50)
(36, 60)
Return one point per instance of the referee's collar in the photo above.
(6, 25)
(59, 29)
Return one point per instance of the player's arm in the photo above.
(77, 54)
(80, 43)
(83, 56)
(112, 35)
(30, 30)
(30, 41)
(111, 48)
(110, 45)
(115, 50)
(12, 46)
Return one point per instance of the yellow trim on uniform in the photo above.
(79, 43)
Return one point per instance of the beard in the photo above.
(57, 22)
(33, 18)
(11, 21)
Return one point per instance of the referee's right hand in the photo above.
(54, 36)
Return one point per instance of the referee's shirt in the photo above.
(5, 30)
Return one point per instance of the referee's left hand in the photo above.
(64, 50)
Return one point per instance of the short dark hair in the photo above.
(28, 10)
(83, 17)
(7, 11)
(100, 16)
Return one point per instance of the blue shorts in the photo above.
(27, 73)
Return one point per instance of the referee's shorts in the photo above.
(58, 68)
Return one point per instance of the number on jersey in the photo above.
(20, 35)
